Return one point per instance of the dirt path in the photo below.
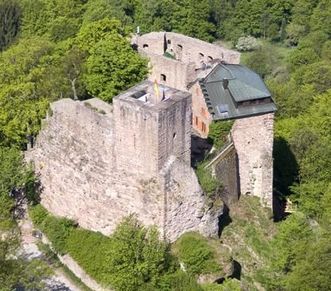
(29, 249)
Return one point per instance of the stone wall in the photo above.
(186, 207)
(201, 118)
(88, 177)
(189, 56)
(177, 74)
(226, 170)
(185, 48)
(253, 140)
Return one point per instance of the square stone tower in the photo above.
(152, 122)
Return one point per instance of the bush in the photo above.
(133, 257)
(196, 254)
(57, 230)
(208, 183)
(227, 285)
(218, 132)
(179, 281)
(91, 250)
(38, 214)
(247, 43)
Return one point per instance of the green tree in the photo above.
(154, 15)
(23, 104)
(10, 18)
(137, 256)
(14, 176)
(113, 67)
(119, 9)
(191, 17)
(57, 19)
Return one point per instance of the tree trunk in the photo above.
(73, 87)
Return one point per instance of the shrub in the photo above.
(179, 281)
(247, 43)
(208, 183)
(38, 214)
(57, 230)
(219, 131)
(227, 285)
(196, 254)
(91, 250)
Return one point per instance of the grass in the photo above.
(74, 279)
(52, 260)
(199, 254)
(280, 50)
(249, 235)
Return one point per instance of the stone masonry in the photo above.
(253, 140)
(99, 162)
(191, 60)
(191, 57)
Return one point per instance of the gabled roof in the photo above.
(227, 86)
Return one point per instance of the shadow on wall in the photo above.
(286, 172)
(236, 274)
(224, 220)
(199, 149)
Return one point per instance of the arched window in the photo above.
(201, 55)
(145, 45)
(210, 58)
(163, 78)
(169, 41)
(180, 47)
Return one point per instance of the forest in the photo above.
(52, 49)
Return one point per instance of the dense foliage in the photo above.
(198, 257)
(133, 258)
(80, 49)
(15, 178)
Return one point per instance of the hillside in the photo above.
(80, 49)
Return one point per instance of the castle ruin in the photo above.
(100, 162)
(221, 90)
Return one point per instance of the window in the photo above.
(180, 47)
(210, 59)
(163, 78)
(203, 127)
(145, 45)
(201, 55)
(169, 41)
(196, 121)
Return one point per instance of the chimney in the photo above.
(225, 83)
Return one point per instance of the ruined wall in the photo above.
(152, 42)
(136, 144)
(186, 207)
(74, 159)
(186, 49)
(194, 50)
(201, 118)
(177, 74)
(226, 170)
(253, 140)
(174, 130)
(77, 162)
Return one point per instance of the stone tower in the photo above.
(151, 124)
